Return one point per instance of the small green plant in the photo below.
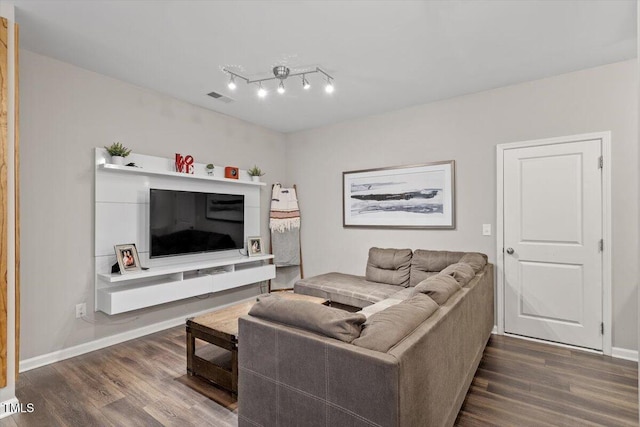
(255, 171)
(210, 166)
(117, 149)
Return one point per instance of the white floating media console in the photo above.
(122, 216)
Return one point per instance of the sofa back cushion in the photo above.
(390, 266)
(476, 260)
(462, 272)
(318, 318)
(439, 288)
(388, 327)
(425, 263)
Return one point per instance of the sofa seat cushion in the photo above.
(323, 320)
(404, 294)
(345, 289)
(426, 263)
(385, 329)
(394, 299)
(439, 288)
(463, 273)
(390, 266)
(372, 309)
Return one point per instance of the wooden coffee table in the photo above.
(218, 363)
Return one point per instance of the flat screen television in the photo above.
(188, 222)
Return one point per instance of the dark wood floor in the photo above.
(141, 383)
(524, 383)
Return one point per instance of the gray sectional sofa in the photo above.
(406, 358)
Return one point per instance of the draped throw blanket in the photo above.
(284, 222)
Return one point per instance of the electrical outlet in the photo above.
(486, 229)
(81, 310)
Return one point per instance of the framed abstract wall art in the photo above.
(421, 196)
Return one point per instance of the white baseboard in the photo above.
(9, 407)
(494, 331)
(623, 353)
(66, 353)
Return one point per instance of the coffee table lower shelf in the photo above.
(217, 362)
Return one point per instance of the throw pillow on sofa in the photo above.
(439, 288)
(388, 327)
(323, 320)
(476, 260)
(463, 273)
(426, 263)
(390, 266)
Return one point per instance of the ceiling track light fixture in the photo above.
(281, 73)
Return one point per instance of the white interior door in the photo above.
(552, 242)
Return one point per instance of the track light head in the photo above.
(232, 82)
(329, 86)
(281, 88)
(261, 91)
(305, 83)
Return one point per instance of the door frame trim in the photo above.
(605, 139)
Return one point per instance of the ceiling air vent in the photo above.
(220, 97)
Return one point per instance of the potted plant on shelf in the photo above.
(209, 169)
(118, 152)
(255, 173)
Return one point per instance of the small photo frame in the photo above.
(254, 246)
(127, 256)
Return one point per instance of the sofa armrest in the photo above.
(434, 387)
(288, 376)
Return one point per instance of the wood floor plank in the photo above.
(95, 388)
(141, 382)
(610, 395)
(500, 411)
(564, 403)
(167, 413)
(524, 371)
(571, 387)
(8, 422)
(123, 413)
(41, 415)
(507, 410)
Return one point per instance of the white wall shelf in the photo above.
(165, 284)
(122, 216)
(139, 170)
(181, 268)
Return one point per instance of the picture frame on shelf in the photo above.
(254, 246)
(419, 196)
(128, 259)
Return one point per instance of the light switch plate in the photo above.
(486, 229)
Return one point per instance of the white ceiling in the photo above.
(384, 55)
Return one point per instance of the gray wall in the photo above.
(467, 130)
(66, 112)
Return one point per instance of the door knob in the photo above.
(510, 251)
